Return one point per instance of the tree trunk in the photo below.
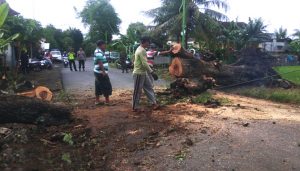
(252, 65)
(19, 109)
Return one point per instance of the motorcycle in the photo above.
(40, 64)
(128, 64)
(65, 61)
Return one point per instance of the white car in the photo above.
(56, 55)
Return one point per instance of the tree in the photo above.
(231, 35)
(30, 32)
(5, 39)
(49, 34)
(135, 31)
(101, 18)
(295, 46)
(281, 34)
(297, 33)
(200, 21)
(73, 38)
(255, 32)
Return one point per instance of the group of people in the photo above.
(79, 56)
(142, 76)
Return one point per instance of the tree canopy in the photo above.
(201, 17)
(101, 18)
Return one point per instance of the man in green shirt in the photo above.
(141, 75)
(71, 58)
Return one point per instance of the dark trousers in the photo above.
(72, 62)
(81, 64)
(24, 68)
(124, 68)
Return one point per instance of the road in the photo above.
(81, 81)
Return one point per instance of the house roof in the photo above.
(11, 11)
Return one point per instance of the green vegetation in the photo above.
(163, 73)
(276, 95)
(66, 157)
(203, 98)
(68, 138)
(290, 73)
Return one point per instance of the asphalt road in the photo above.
(82, 81)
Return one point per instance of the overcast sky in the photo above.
(62, 15)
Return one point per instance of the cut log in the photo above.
(179, 51)
(252, 65)
(40, 92)
(20, 109)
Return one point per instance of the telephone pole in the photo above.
(183, 32)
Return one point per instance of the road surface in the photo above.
(82, 81)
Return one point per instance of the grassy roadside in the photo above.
(290, 73)
(291, 96)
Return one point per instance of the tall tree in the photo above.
(200, 20)
(74, 37)
(281, 34)
(135, 31)
(255, 32)
(101, 18)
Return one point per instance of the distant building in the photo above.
(275, 46)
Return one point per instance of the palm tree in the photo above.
(201, 19)
(281, 34)
(297, 34)
(255, 32)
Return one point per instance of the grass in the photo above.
(293, 73)
(291, 96)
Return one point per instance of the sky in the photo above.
(62, 15)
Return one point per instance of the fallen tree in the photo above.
(196, 75)
(19, 109)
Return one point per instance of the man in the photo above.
(81, 59)
(102, 81)
(24, 61)
(71, 58)
(141, 77)
(123, 59)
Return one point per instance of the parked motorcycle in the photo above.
(128, 64)
(40, 64)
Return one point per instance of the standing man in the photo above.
(141, 77)
(123, 59)
(71, 58)
(24, 61)
(102, 81)
(81, 59)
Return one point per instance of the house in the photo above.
(8, 59)
(275, 46)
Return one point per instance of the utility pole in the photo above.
(183, 32)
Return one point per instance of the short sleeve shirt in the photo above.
(99, 56)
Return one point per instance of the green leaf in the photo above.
(3, 13)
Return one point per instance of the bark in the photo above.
(19, 109)
(252, 64)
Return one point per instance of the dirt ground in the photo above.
(245, 134)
